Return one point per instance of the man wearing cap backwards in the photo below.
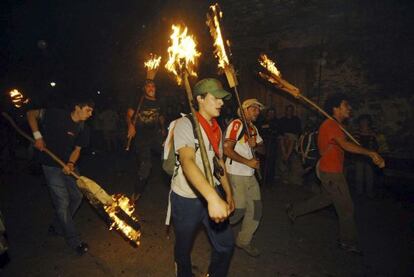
(148, 132)
(240, 165)
(193, 200)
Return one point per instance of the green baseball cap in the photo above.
(212, 86)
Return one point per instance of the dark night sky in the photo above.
(90, 45)
(100, 44)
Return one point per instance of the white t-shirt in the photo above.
(242, 148)
(184, 137)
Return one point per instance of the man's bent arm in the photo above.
(193, 173)
(129, 114)
(74, 156)
(32, 117)
(352, 147)
(230, 153)
(218, 209)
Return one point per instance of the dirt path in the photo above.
(305, 249)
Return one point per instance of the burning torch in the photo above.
(213, 22)
(17, 98)
(118, 207)
(274, 76)
(182, 59)
(152, 65)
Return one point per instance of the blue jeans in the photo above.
(187, 215)
(66, 198)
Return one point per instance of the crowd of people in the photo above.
(246, 149)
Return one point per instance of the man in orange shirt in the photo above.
(332, 144)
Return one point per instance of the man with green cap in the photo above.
(193, 200)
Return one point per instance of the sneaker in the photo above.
(249, 249)
(82, 248)
(289, 212)
(351, 248)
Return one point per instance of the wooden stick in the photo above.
(47, 151)
(202, 147)
(295, 92)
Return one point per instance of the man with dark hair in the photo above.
(148, 131)
(64, 133)
(193, 200)
(332, 144)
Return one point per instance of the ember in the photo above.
(122, 202)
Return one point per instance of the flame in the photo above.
(269, 65)
(213, 22)
(17, 98)
(182, 53)
(153, 62)
(122, 202)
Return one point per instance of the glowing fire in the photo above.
(153, 62)
(269, 65)
(213, 22)
(122, 202)
(182, 53)
(17, 98)
(274, 76)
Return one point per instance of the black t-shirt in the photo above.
(290, 125)
(149, 115)
(61, 134)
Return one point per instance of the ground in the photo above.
(307, 248)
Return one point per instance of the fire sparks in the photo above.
(269, 65)
(121, 202)
(153, 62)
(17, 98)
(213, 22)
(182, 53)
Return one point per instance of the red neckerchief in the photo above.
(213, 132)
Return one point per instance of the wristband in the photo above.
(69, 162)
(37, 135)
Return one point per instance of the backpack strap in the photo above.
(240, 136)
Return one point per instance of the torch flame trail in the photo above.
(153, 62)
(213, 22)
(182, 53)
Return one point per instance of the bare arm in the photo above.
(356, 149)
(217, 208)
(230, 153)
(73, 158)
(32, 118)
(130, 124)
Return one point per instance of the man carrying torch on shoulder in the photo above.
(241, 166)
(193, 200)
(148, 130)
(332, 144)
(64, 133)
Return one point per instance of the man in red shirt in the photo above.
(332, 144)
